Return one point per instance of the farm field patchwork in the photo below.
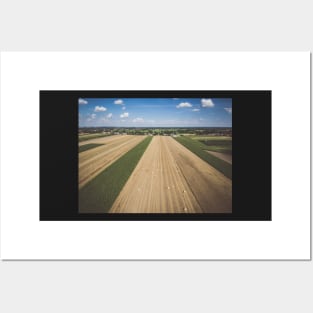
(216, 143)
(223, 156)
(171, 179)
(221, 144)
(103, 140)
(99, 194)
(199, 149)
(154, 155)
(93, 161)
(91, 136)
(88, 146)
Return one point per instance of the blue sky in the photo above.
(155, 112)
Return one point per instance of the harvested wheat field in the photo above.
(93, 161)
(171, 179)
(103, 140)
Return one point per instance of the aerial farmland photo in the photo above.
(155, 155)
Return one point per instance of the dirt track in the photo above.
(93, 161)
(171, 179)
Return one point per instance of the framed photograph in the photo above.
(155, 155)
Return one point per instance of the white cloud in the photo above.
(207, 103)
(123, 108)
(100, 108)
(82, 101)
(107, 117)
(229, 110)
(91, 117)
(119, 101)
(184, 105)
(195, 110)
(123, 115)
(138, 120)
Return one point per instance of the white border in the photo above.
(23, 74)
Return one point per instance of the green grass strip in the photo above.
(99, 194)
(218, 146)
(199, 148)
(216, 143)
(212, 138)
(89, 146)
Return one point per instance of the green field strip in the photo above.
(99, 194)
(89, 146)
(199, 148)
(217, 148)
(212, 138)
(217, 144)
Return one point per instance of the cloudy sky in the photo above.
(155, 112)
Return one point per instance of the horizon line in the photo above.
(155, 127)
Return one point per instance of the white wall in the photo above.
(151, 286)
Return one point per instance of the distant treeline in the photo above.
(219, 131)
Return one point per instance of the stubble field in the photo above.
(93, 161)
(169, 178)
